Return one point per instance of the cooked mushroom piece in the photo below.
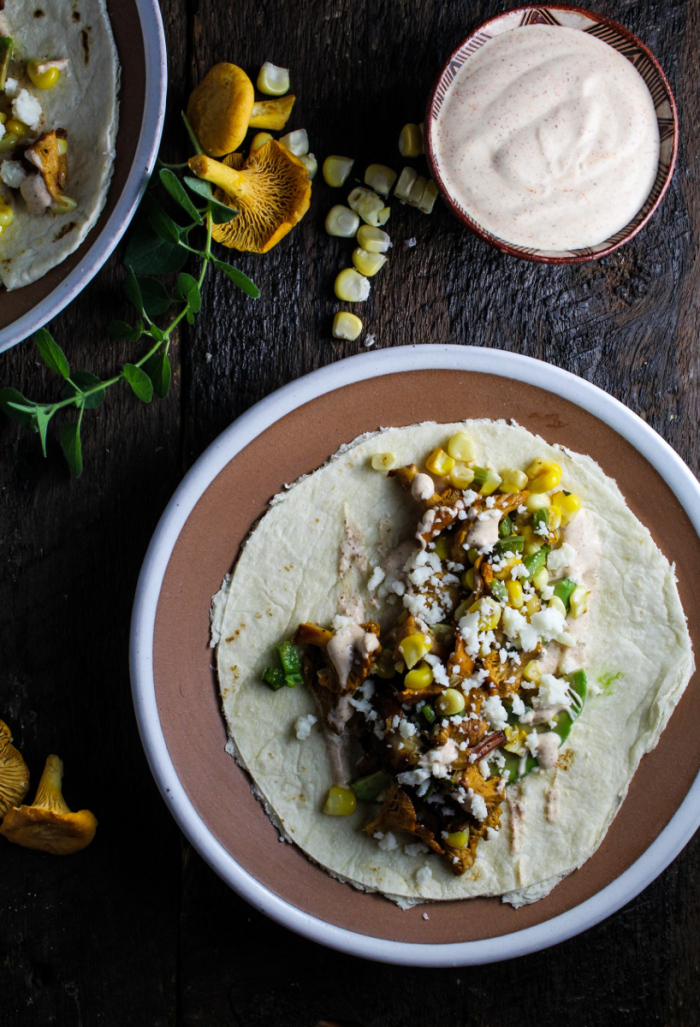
(48, 154)
(49, 825)
(271, 191)
(35, 194)
(14, 772)
(219, 109)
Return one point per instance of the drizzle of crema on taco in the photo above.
(59, 78)
(482, 641)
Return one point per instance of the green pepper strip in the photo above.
(289, 658)
(480, 476)
(563, 722)
(505, 527)
(368, 788)
(274, 677)
(429, 713)
(540, 519)
(499, 591)
(563, 590)
(536, 561)
(514, 544)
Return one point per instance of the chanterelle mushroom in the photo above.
(48, 154)
(271, 191)
(49, 825)
(219, 109)
(14, 772)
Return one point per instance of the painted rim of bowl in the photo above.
(156, 63)
(668, 128)
(673, 838)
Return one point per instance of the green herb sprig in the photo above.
(158, 245)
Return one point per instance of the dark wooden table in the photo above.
(137, 929)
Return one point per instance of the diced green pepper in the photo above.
(505, 527)
(274, 677)
(368, 788)
(480, 476)
(429, 713)
(499, 591)
(291, 665)
(513, 544)
(563, 722)
(536, 561)
(540, 520)
(563, 590)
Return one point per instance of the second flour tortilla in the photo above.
(639, 655)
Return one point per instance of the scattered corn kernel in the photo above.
(418, 678)
(461, 475)
(45, 79)
(555, 603)
(272, 80)
(61, 146)
(402, 189)
(468, 579)
(442, 547)
(336, 170)
(533, 605)
(543, 474)
(553, 517)
(340, 802)
(7, 215)
(430, 195)
(346, 326)
(342, 221)
(489, 613)
(351, 286)
(374, 240)
(413, 648)
(568, 504)
(537, 501)
(472, 555)
(383, 461)
(369, 206)
(541, 579)
(367, 263)
(439, 462)
(8, 142)
(411, 141)
(461, 447)
(515, 594)
(532, 671)
(515, 740)
(513, 480)
(3, 117)
(493, 480)
(296, 142)
(457, 839)
(310, 163)
(450, 702)
(504, 573)
(417, 189)
(531, 547)
(380, 178)
(258, 140)
(578, 603)
(16, 127)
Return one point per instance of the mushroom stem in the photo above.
(233, 183)
(49, 794)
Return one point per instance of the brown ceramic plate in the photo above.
(138, 34)
(175, 692)
(616, 36)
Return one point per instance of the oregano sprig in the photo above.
(159, 245)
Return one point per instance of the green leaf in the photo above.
(220, 213)
(156, 333)
(161, 222)
(155, 297)
(238, 278)
(199, 187)
(18, 408)
(51, 353)
(71, 446)
(131, 288)
(158, 370)
(147, 253)
(42, 423)
(86, 381)
(139, 381)
(122, 330)
(188, 290)
(174, 186)
(190, 133)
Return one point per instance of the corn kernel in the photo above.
(492, 482)
(568, 504)
(3, 117)
(372, 239)
(62, 146)
(515, 594)
(8, 142)
(472, 555)
(439, 462)
(489, 613)
(541, 579)
(351, 287)
(418, 678)
(7, 215)
(340, 802)
(578, 603)
(537, 502)
(450, 702)
(402, 189)
(553, 518)
(461, 475)
(16, 127)
(368, 263)
(544, 475)
(336, 170)
(515, 740)
(413, 648)
(533, 671)
(442, 547)
(417, 189)
(411, 141)
(380, 178)
(555, 603)
(468, 579)
(457, 839)
(346, 326)
(310, 163)
(273, 81)
(461, 447)
(296, 142)
(368, 205)
(533, 605)
(430, 195)
(383, 461)
(503, 573)
(45, 79)
(342, 221)
(513, 480)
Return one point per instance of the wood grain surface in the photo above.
(137, 929)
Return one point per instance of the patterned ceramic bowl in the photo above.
(615, 36)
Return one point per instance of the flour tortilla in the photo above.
(84, 102)
(288, 573)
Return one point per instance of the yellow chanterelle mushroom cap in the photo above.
(49, 825)
(219, 109)
(14, 773)
(271, 190)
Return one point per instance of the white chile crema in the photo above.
(548, 138)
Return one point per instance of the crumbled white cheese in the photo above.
(303, 725)
(548, 623)
(424, 876)
(517, 629)
(561, 558)
(407, 729)
(495, 713)
(425, 916)
(478, 805)
(415, 849)
(518, 570)
(518, 705)
(553, 691)
(388, 842)
(491, 834)
(27, 108)
(484, 769)
(11, 86)
(439, 672)
(376, 579)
